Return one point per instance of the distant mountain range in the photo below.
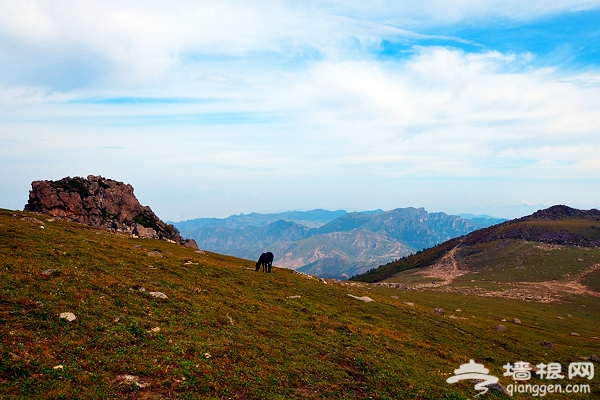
(330, 243)
(534, 257)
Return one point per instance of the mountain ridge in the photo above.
(560, 227)
(402, 230)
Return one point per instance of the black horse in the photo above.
(266, 260)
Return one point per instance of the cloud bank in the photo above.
(202, 105)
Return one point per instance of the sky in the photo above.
(212, 108)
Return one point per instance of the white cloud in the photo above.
(320, 107)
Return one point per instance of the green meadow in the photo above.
(225, 331)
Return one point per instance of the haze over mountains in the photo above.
(330, 243)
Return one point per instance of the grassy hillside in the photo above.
(225, 331)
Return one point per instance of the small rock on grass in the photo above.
(158, 295)
(439, 311)
(546, 344)
(499, 388)
(68, 316)
(516, 321)
(500, 328)
(126, 378)
(366, 299)
(575, 334)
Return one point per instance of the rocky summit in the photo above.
(101, 202)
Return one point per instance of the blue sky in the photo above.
(210, 108)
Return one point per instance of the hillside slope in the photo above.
(158, 320)
(557, 247)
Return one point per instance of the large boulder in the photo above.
(98, 201)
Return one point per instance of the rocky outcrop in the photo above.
(101, 202)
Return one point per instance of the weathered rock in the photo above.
(126, 378)
(48, 272)
(366, 299)
(155, 253)
(546, 344)
(516, 321)
(575, 334)
(499, 388)
(34, 220)
(147, 233)
(101, 202)
(158, 295)
(439, 311)
(191, 243)
(408, 303)
(68, 316)
(500, 328)
(594, 358)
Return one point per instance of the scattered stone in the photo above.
(594, 358)
(155, 253)
(500, 328)
(546, 344)
(158, 295)
(294, 297)
(68, 316)
(559, 317)
(366, 299)
(191, 243)
(516, 321)
(408, 303)
(499, 388)
(120, 317)
(503, 319)
(199, 252)
(575, 334)
(48, 272)
(207, 355)
(394, 297)
(34, 220)
(439, 311)
(458, 310)
(141, 231)
(58, 367)
(569, 315)
(126, 378)
(154, 330)
(138, 246)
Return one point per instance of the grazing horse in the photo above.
(266, 260)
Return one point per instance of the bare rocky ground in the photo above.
(445, 272)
